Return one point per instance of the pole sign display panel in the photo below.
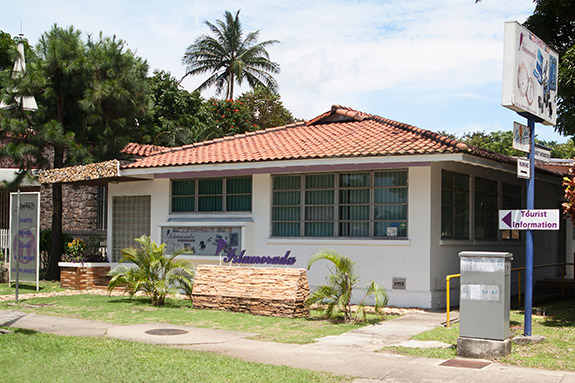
(523, 168)
(530, 70)
(521, 137)
(25, 246)
(537, 219)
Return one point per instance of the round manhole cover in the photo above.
(166, 331)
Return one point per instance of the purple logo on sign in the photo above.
(242, 258)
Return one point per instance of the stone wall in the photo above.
(261, 291)
(79, 212)
(84, 276)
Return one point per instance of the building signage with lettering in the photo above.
(233, 256)
(529, 219)
(199, 240)
(25, 246)
(523, 168)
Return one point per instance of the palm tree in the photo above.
(230, 58)
(335, 296)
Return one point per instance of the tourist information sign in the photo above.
(529, 219)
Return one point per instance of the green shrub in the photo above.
(336, 294)
(155, 273)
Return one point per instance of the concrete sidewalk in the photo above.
(351, 354)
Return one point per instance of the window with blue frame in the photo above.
(212, 195)
(352, 205)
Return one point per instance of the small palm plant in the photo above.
(156, 274)
(336, 294)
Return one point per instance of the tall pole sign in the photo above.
(530, 71)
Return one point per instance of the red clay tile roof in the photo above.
(141, 150)
(340, 132)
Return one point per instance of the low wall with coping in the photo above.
(257, 290)
(82, 276)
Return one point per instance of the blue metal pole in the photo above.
(529, 234)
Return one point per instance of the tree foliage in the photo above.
(554, 22)
(228, 117)
(336, 294)
(228, 57)
(89, 95)
(266, 108)
(177, 117)
(156, 274)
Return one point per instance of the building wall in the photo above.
(424, 259)
(444, 253)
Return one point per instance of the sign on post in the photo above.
(26, 246)
(521, 137)
(537, 219)
(530, 70)
(523, 168)
(542, 153)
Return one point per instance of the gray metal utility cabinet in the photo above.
(484, 304)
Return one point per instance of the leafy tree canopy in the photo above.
(177, 117)
(90, 94)
(502, 142)
(266, 108)
(554, 22)
(228, 117)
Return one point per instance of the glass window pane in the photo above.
(319, 213)
(180, 204)
(241, 185)
(210, 186)
(319, 197)
(287, 182)
(239, 203)
(285, 229)
(354, 229)
(210, 203)
(286, 213)
(287, 198)
(390, 212)
(391, 178)
(390, 229)
(319, 181)
(354, 180)
(354, 196)
(354, 213)
(184, 187)
(390, 195)
(318, 229)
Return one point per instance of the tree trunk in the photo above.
(53, 271)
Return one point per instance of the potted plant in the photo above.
(83, 266)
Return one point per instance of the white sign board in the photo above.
(523, 168)
(521, 137)
(199, 240)
(26, 246)
(530, 70)
(542, 154)
(529, 219)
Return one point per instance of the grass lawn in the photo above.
(138, 310)
(27, 288)
(556, 353)
(28, 356)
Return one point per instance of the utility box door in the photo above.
(485, 294)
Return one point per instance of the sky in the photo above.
(436, 64)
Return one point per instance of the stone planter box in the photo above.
(82, 276)
(255, 290)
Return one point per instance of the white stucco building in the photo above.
(402, 202)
